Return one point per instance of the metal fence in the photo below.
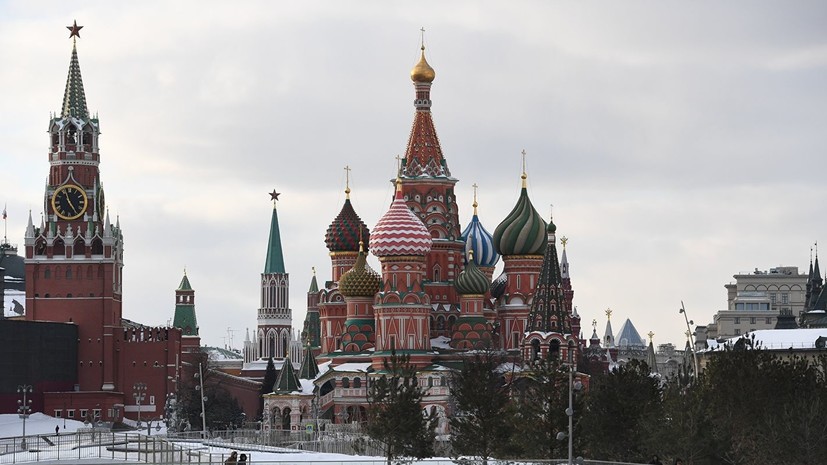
(100, 446)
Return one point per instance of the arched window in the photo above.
(59, 248)
(47, 273)
(40, 247)
(79, 248)
(345, 382)
(554, 350)
(535, 350)
(97, 246)
(357, 382)
(285, 419)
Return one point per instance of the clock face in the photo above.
(69, 202)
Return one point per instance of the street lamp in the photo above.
(573, 386)
(23, 408)
(691, 337)
(200, 388)
(139, 393)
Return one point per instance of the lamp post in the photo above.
(200, 388)
(139, 393)
(691, 338)
(23, 408)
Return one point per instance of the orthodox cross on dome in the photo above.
(608, 313)
(475, 186)
(594, 324)
(347, 181)
(651, 335)
(524, 175)
(74, 30)
(564, 240)
(422, 37)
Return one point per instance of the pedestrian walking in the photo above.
(57, 430)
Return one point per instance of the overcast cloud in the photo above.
(680, 142)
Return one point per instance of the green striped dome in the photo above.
(361, 280)
(471, 281)
(523, 231)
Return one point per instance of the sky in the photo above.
(680, 143)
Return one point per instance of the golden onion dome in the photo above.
(423, 72)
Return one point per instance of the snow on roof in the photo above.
(777, 339)
(441, 342)
(358, 367)
(219, 354)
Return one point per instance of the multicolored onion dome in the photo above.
(523, 231)
(343, 233)
(471, 281)
(400, 232)
(480, 241)
(361, 280)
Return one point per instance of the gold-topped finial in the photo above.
(470, 255)
(651, 335)
(347, 181)
(564, 240)
(608, 313)
(422, 72)
(475, 186)
(185, 270)
(314, 270)
(524, 175)
(361, 241)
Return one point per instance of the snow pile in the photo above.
(38, 423)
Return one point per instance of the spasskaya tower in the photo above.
(74, 259)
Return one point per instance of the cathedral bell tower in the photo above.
(74, 260)
(428, 190)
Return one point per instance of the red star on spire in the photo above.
(274, 195)
(75, 30)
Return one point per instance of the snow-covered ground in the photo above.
(38, 423)
(97, 448)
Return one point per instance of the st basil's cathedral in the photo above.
(434, 298)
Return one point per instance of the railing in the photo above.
(102, 445)
(189, 448)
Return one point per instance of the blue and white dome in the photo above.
(481, 242)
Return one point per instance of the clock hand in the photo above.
(75, 210)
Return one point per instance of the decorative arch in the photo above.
(58, 247)
(97, 246)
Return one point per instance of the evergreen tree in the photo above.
(395, 417)
(479, 425)
(270, 377)
(540, 400)
(623, 412)
(765, 407)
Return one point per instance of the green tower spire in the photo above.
(275, 257)
(185, 308)
(74, 98)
